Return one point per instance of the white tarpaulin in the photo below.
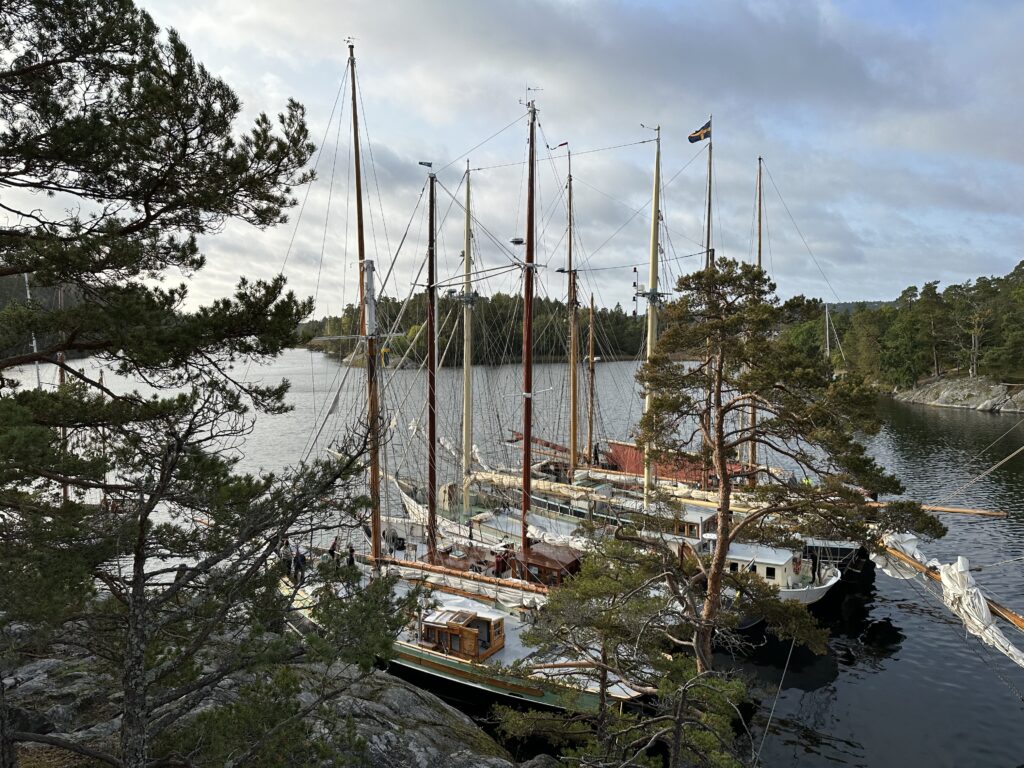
(902, 542)
(963, 597)
(960, 592)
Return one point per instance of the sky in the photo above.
(890, 134)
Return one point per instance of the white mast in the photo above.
(652, 307)
(828, 338)
(467, 355)
(35, 345)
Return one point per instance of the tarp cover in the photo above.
(960, 592)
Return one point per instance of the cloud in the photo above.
(891, 132)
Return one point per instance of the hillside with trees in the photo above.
(497, 329)
(969, 329)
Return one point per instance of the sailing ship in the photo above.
(479, 598)
(550, 510)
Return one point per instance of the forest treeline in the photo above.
(973, 328)
(497, 329)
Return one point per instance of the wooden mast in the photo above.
(431, 378)
(359, 182)
(467, 355)
(370, 318)
(591, 458)
(528, 343)
(573, 341)
(752, 445)
(367, 329)
(652, 308)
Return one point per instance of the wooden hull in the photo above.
(444, 671)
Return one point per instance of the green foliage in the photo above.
(972, 327)
(497, 329)
(621, 621)
(728, 346)
(269, 712)
(126, 529)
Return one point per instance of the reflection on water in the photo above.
(902, 684)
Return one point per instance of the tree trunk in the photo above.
(675, 753)
(602, 701)
(8, 753)
(133, 674)
(975, 347)
(713, 598)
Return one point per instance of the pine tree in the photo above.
(726, 328)
(125, 530)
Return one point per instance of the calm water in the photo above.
(901, 684)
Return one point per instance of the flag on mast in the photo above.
(704, 132)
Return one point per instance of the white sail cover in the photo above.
(960, 592)
(962, 596)
(902, 542)
(449, 528)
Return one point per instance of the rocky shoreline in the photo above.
(980, 394)
(399, 724)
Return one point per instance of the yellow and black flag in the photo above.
(704, 132)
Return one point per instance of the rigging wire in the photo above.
(984, 474)
(485, 141)
(316, 163)
(643, 207)
(801, 234)
(575, 153)
(778, 693)
(376, 183)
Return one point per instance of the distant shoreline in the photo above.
(980, 393)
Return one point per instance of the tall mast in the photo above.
(591, 458)
(528, 343)
(760, 206)
(369, 314)
(431, 379)
(467, 354)
(709, 264)
(573, 341)
(708, 247)
(367, 328)
(752, 445)
(358, 180)
(652, 307)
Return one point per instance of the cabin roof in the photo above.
(691, 514)
(551, 556)
(756, 553)
(446, 616)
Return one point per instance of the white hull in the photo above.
(812, 593)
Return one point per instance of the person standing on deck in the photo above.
(286, 556)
